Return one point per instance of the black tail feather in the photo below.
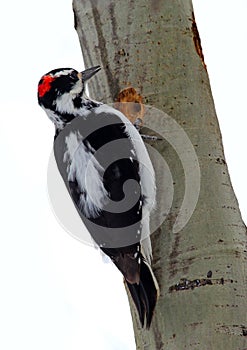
(145, 294)
(134, 291)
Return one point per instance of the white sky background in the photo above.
(55, 292)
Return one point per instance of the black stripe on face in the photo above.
(64, 83)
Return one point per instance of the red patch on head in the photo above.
(45, 85)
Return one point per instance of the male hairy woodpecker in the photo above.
(108, 173)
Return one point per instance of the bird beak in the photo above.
(88, 73)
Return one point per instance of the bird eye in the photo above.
(74, 75)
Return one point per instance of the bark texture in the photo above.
(154, 46)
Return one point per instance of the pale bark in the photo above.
(153, 46)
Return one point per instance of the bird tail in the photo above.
(145, 293)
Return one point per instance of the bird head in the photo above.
(60, 92)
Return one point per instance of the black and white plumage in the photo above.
(107, 171)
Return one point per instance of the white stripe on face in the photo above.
(62, 72)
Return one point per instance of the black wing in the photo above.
(95, 157)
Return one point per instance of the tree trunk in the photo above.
(154, 46)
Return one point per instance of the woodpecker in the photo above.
(109, 176)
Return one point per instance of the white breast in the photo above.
(84, 168)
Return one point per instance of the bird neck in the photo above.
(69, 107)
